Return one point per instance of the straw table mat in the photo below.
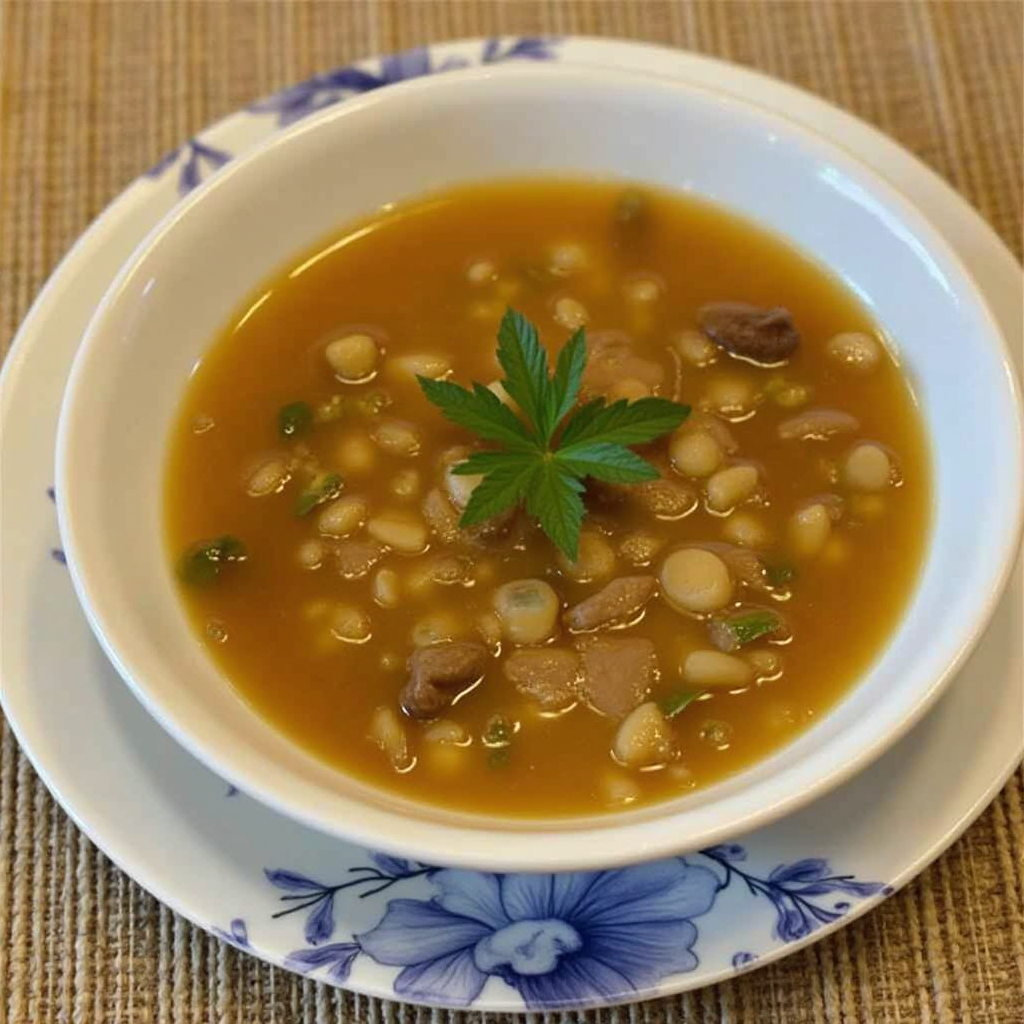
(94, 92)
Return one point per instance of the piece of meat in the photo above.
(438, 674)
(766, 336)
(546, 675)
(616, 602)
(817, 425)
(617, 673)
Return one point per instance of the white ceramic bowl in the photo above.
(194, 270)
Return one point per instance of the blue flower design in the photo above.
(198, 155)
(323, 90)
(237, 934)
(336, 957)
(793, 889)
(560, 940)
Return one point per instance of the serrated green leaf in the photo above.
(502, 487)
(622, 422)
(565, 387)
(612, 463)
(554, 498)
(525, 363)
(480, 411)
(482, 462)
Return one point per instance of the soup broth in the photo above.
(731, 603)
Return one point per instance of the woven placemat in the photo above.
(94, 92)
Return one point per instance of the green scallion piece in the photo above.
(677, 702)
(202, 562)
(323, 487)
(294, 419)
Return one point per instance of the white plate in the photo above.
(454, 938)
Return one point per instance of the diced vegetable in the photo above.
(323, 487)
(294, 419)
(201, 564)
(780, 575)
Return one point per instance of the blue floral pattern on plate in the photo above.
(196, 159)
(559, 940)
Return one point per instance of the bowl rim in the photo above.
(553, 844)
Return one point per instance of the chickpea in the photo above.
(867, 468)
(595, 559)
(730, 487)
(694, 453)
(356, 454)
(396, 438)
(353, 358)
(570, 313)
(350, 624)
(528, 610)
(481, 272)
(311, 554)
(342, 516)
(427, 364)
(695, 580)
(731, 396)
(269, 478)
(695, 348)
(746, 530)
(644, 738)
(855, 351)
(386, 588)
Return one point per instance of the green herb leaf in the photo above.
(525, 363)
(480, 411)
(323, 487)
(294, 419)
(675, 703)
(534, 465)
(609, 462)
(752, 625)
(622, 422)
(201, 564)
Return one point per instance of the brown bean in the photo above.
(437, 675)
(765, 336)
(617, 602)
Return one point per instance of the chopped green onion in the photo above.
(780, 575)
(201, 564)
(752, 625)
(675, 703)
(294, 419)
(323, 487)
(498, 737)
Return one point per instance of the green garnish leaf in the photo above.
(544, 460)
(780, 575)
(675, 703)
(751, 626)
(294, 419)
(323, 487)
(497, 738)
(201, 564)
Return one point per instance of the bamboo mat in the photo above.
(93, 93)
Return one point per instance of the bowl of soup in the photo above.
(619, 637)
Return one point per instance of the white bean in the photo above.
(731, 396)
(695, 580)
(746, 530)
(481, 272)
(388, 733)
(644, 738)
(767, 665)
(567, 258)
(695, 348)
(351, 624)
(618, 789)
(809, 530)
(730, 487)
(355, 454)
(694, 453)
(570, 313)
(342, 516)
(311, 554)
(867, 468)
(426, 364)
(269, 478)
(398, 531)
(353, 358)
(714, 668)
(595, 559)
(528, 610)
(446, 732)
(405, 484)
(397, 438)
(435, 629)
(855, 351)
(386, 588)
(641, 289)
